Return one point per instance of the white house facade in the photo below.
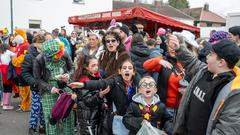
(47, 14)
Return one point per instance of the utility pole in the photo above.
(11, 8)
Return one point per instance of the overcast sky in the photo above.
(222, 7)
(219, 6)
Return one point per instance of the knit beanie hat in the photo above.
(125, 29)
(217, 36)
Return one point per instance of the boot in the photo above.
(6, 103)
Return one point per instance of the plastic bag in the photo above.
(118, 127)
(148, 129)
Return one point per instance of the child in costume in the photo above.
(146, 105)
(20, 40)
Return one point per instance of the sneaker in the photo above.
(42, 130)
(32, 131)
(7, 107)
(19, 110)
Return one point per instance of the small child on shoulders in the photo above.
(146, 105)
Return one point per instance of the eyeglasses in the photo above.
(148, 85)
(112, 40)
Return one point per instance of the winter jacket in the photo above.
(127, 43)
(117, 92)
(155, 52)
(137, 111)
(117, 95)
(139, 53)
(27, 67)
(168, 81)
(225, 113)
(89, 108)
(42, 74)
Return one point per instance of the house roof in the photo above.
(203, 15)
(166, 10)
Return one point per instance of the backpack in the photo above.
(61, 108)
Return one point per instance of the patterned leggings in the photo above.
(48, 101)
(36, 113)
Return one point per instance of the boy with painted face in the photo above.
(146, 105)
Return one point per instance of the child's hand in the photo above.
(102, 93)
(182, 90)
(76, 85)
(144, 121)
(166, 64)
(73, 96)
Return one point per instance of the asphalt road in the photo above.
(12, 122)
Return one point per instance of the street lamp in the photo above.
(11, 8)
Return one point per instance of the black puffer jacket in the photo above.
(89, 110)
(27, 67)
(117, 95)
(139, 54)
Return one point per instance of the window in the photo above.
(35, 24)
(79, 1)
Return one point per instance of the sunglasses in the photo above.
(112, 40)
(148, 85)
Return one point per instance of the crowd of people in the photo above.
(121, 78)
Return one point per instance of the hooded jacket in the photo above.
(139, 54)
(224, 118)
(158, 118)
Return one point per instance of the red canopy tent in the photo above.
(151, 20)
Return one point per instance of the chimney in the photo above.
(158, 3)
(206, 7)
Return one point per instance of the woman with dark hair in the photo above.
(139, 53)
(115, 53)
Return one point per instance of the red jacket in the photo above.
(172, 100)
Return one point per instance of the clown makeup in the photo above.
(111, 43)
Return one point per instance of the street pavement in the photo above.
(12, 122)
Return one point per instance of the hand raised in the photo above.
(173, 42)
(102, 93)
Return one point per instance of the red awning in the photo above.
(152, 19)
